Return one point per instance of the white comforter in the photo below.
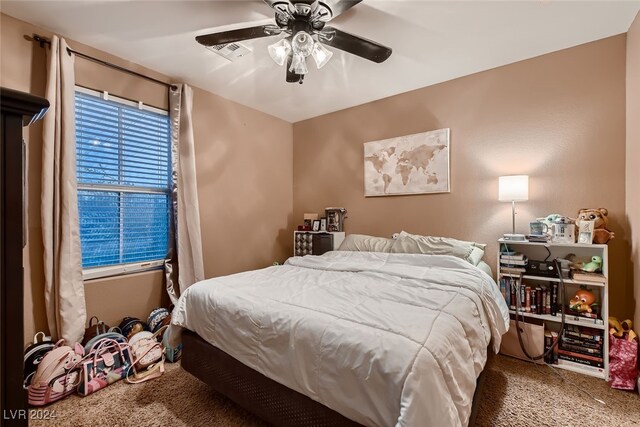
(384, 339)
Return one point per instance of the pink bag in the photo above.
(57, 375)
(105, 363)
(623, 363)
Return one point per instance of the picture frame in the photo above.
(585, 231)
(316, 225)
(335, 218)
(323, 224)
(409, 164)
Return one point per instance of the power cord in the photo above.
(519, 312)
(563, 379)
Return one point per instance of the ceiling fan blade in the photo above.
(338, 6)
(356, 45)
(291, 76)
(240, 34)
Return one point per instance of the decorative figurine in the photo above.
(583, 301)
(594, 265)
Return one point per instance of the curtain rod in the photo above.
(44, 41)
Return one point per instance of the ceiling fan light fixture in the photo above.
(321, 54)
(298, 64)
(279, 51)
(302, 43)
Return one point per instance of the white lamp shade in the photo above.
(299, 64)
(279, 51)
(321, 55)
(513, 188)
(302, 43)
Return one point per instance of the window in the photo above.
(124, 190)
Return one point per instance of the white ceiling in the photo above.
(432, 42)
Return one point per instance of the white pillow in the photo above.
(364, 243)
(415, 244)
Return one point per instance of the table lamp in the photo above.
(513, 188)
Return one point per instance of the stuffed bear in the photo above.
(600, 216)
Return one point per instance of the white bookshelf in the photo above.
(549, 251)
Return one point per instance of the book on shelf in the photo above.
(547, 300)
(584, 276)
(512, 256)
(549, 339)
(584, 332)
(513, 262)
(575, 355)
(583, 314)
(581, 319)
(533, 306)
(553, 308)
(581, 349)
(512, 270)
(536, 238)
(594, 369)
(582, 359)
(583, 342)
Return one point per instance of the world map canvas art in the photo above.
(411, 164)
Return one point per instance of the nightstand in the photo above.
(316, 242)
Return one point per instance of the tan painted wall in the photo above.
(236, 147)
(560, 118)
(633, 156)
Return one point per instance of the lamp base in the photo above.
(514, 237)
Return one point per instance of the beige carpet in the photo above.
(516, 394)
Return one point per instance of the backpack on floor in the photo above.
(93, 330)
(57, 375)
(156, 318)
(131, 326)
(111, 334)
(148, 356)
(33, 355)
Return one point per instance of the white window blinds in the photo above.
(124, 172)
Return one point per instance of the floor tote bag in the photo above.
(107, 362)
(623, 362)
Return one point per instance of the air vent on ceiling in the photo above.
(230, 51)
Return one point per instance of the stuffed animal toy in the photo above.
(600, 216)
(594, 265)
(575, 262)
(615, 328)
(582, 301)
(549, 219)
(619, 329)
(626, 327)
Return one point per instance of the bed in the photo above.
(346, 338)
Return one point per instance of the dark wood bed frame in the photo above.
(262, 396)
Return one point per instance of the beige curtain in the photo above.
(185, 265)
(64, 288)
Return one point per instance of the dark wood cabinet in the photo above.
(18, 109)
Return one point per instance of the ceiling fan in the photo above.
(304, 24)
